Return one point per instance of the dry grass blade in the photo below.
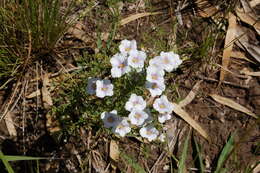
(229, 42)
(232, 104)
(257, 169)
(240, 55)
(247, 41)
(79, 34)
(184, 115)
(137, 16)
(46, 96)
(251, 20)
(249, 73)
(34, 94)
(254, 3)
(208, 11)
(114, 152)
(191, 95)
(10, 124)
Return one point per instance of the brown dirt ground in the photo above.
(218, 120)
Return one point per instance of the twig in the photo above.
(225, 82)
(54, 74)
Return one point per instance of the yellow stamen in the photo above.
(135, 60)
(110, 119)
(122, 65)
(162, 106)
(154, 77)
(148, 132)
(127, 49)
(137, 116)
(166, 60)
(104, 89)
(154, 85)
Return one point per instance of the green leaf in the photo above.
(199, 155)
(133, 163)
(181, 166)
(7, 165)
(19, 158)
(228, 148)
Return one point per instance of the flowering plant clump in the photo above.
(139, 119)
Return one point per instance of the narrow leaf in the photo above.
(181, 166)
(184, 115)
(136, 16)
(229, 42)
(114, 152)
(19, 158)
(5, 162)
(199, 155)
(232, 104)
(188, 99)
(228, 148)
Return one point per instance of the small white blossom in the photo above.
(110, 119)
(135, 103)
(122, 128)
(126, 46)
(104, 88)
(149, 132)
(170, 61)
(156, 62)
(137, 117)
(155, 88)
(162, 105)
(154, 74)
(162, 137)
(119, 65)
(136, 59)
(91, 87)
(164, 117)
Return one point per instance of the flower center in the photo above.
(122, 65)
(154, 85)
(135, 60)
(135, 103)
(154, 77)
(104, 88)
(93, 86)
(166, 60)
(110, 119)
(149, 132)
(162, 106)
(127, 49)
(120, 127)
(138, 116)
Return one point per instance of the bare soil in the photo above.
(87, 148)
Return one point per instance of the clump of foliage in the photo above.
(29, 30)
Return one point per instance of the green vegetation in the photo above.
(29, 31)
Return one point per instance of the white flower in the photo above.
(164, 117)
(119, 65)
(135, 103)
(104, 88)
(156, 62)
(170, 61)
(155, 88)
(149, 132)
(137, 117)
(91, 88)
(154, 74)
(110, 119)
(136, 58)
(162, 137)
(122, 128)
(162, 105)
(126, 46)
